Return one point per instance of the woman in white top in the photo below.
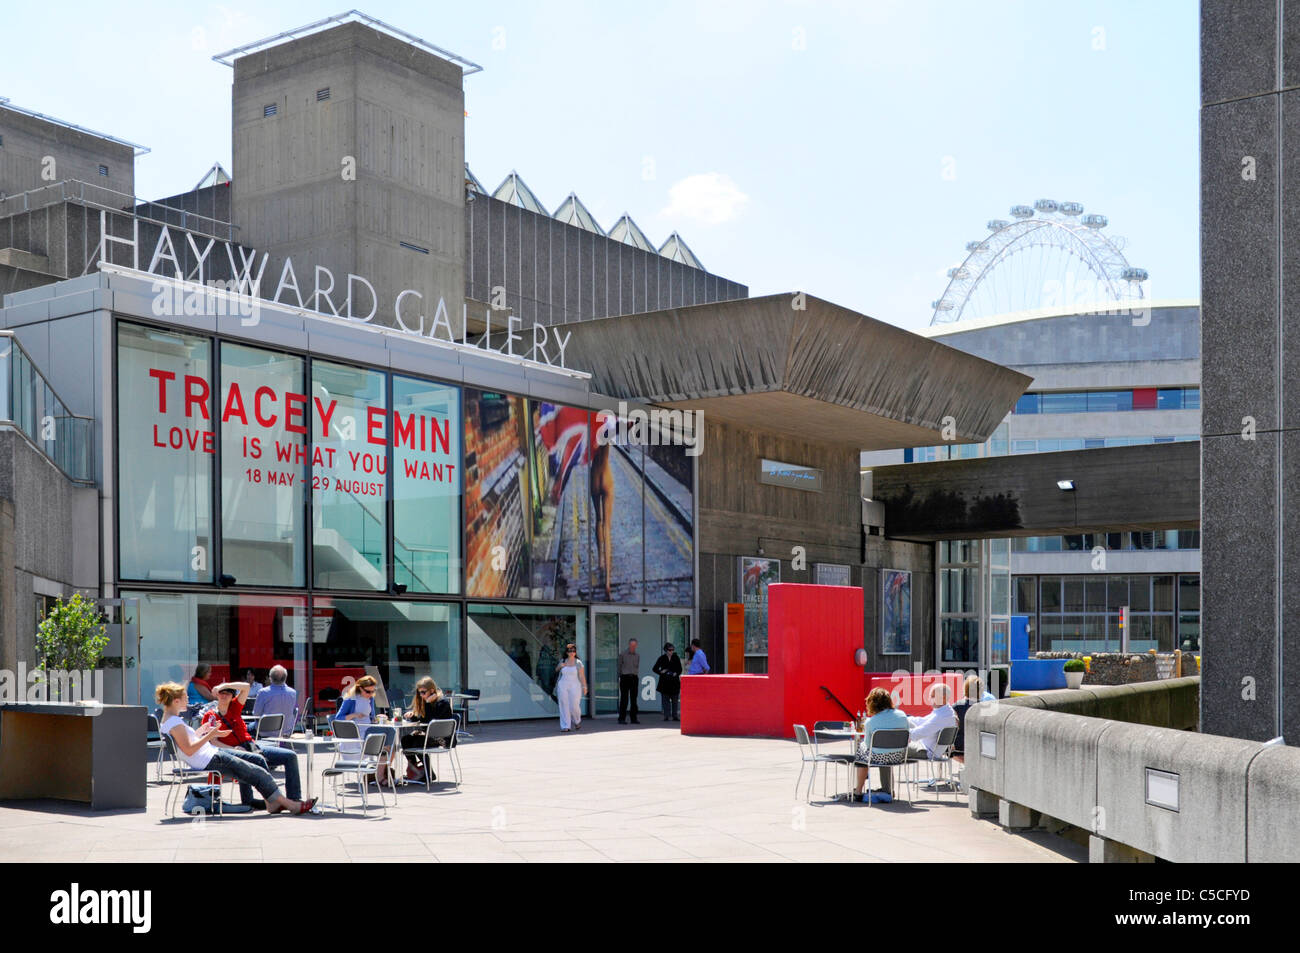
(570, 687)
(198, 751)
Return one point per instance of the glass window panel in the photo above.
(959, 590)
(426, 485)
(264, 470)
(998, 551)
(232, 634)
(396, 642)
(1065, 403)
(513, 652)
(1114, 540)
(1189, 632)
(1073, 543)
(669, 522)
(1191, 398)
(1116, 592)
(1139, 593)
(1049, 593)
(1109, 400)
(960, 640)
(1073, 594)
(1000, 593)
(165, 452)
(1071, 443)
(1027, 404)
(1024, 446)
(1049, 445)
(1189, 593)
(1163, 589)
(1095, 593)
(1026, 590)
(1189, 539)
(349, 478)
(1139, 634)
(1093, 443)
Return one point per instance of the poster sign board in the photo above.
(831, 574)
(895, 612)
(792, 475)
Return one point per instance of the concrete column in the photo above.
(1102, 851)
(1250, 351)
(1015, 817)
(982, 804)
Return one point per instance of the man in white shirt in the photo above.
(925, 731)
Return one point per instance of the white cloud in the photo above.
(710, 197)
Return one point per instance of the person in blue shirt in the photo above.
(881, 715)
(699, 661)
(278, 698)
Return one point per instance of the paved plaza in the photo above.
(606, 793)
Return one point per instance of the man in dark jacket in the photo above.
(669, 669)
(629, 681)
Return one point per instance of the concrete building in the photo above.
(1101, 379)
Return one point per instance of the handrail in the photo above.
(57, 192)
(28, 411)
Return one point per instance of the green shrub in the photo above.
(1075, 665)
(72, 636)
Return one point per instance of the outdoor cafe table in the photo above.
(303, 743)
(853, 736)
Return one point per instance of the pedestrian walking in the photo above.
(570, 687)
(629, 679)
(669, 669)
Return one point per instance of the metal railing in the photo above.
(29, 404)
(100, 197)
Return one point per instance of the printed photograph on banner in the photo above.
(669, 524)
(616, 484)
(756, 574)
(560, 498)
(496, 495)
(895, 612)
(426, 485)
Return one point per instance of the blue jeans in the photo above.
(248, 769)
(277, 757)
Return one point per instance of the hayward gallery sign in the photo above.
(246, 286)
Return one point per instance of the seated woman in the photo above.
(198, 751)
(882, 715)
(430, 705)
(358, 705)
(199, 689)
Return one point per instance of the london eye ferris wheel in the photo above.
(1045, 256)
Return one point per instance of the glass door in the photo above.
(612, 631)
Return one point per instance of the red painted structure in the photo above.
(813, 633)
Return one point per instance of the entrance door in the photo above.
(612, 631)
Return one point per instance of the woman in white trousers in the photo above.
(570, 687)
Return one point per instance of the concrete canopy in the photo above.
(818, 371)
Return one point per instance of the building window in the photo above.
(165, 449)
(264, 466)
(513, 654)
(322, 94)
(270, 109)
(349, 477)
(103, 170)
(426, 486)
(1027, 404)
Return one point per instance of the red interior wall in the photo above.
(912, 692)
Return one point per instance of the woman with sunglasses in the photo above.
(430, 705)
(358, 705)
(570, 687)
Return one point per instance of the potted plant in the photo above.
(1075, 669)
(71, 638)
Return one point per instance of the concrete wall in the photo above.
(738, 515)
(399, 113)
(77, 155)
(49, 542)
(1250, 289)
(555, 273)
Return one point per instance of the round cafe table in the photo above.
(853, 736)
(309, 745)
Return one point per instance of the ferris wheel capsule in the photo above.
(1047, 206)
(958, 272)
(997, 224)
(943, 304)
(1093, 220)
(1134, 274)
(1071, 208)
(1022, 211)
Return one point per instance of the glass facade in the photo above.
(1082, 613)
(1109, 401)
(1113, 542)
(374, 504)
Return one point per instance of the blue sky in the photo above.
(849, 149)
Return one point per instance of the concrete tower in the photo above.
(349, 153)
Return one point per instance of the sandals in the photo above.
(306, 806)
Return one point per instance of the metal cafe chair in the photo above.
(183, 775)
(345, 731)
(942, 759)
(154, 742)
(818, 728)
(440, 729)
(360, 768)
(808, 754)
(270, 726)
(887, 738)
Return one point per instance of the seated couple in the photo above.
(222, 743)
(358, 706)
(923, 734)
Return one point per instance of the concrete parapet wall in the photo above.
(1085, 756)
